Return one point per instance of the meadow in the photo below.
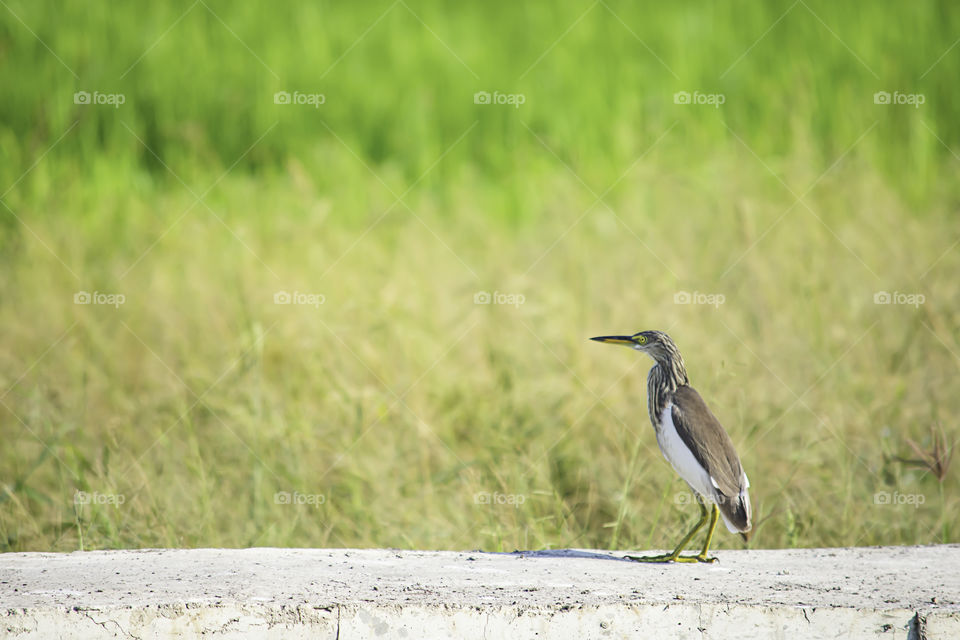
(323, 274)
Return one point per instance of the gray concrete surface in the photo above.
(894, 592)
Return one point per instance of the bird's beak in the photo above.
(626, 341)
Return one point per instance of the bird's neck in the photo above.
(673, 372)
(662, 381)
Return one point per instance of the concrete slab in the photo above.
(894, 592)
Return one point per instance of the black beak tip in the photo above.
(613, 339)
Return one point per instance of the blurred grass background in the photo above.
(399, 405)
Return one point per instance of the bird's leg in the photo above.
(675, 555)
(702, 556)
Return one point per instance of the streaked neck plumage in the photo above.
(664, 379)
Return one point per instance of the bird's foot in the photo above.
(672, 557)
(697, 558)
(667, 557)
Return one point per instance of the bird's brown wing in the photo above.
(711, 446)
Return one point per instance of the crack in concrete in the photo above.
(103, 625)
(917, 627)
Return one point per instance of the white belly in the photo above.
(681, 458)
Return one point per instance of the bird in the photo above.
(694, 443)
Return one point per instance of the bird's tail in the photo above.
(737, 514)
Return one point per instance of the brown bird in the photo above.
(693, 442)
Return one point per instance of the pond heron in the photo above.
(693, 442)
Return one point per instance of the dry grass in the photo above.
(396, 408)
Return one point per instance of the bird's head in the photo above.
(655, 344)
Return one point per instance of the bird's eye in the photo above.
(641, 339)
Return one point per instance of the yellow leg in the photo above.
(675, 555)
(702, 556)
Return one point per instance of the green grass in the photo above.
(399, 400)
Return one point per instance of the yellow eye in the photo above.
(641, 339)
